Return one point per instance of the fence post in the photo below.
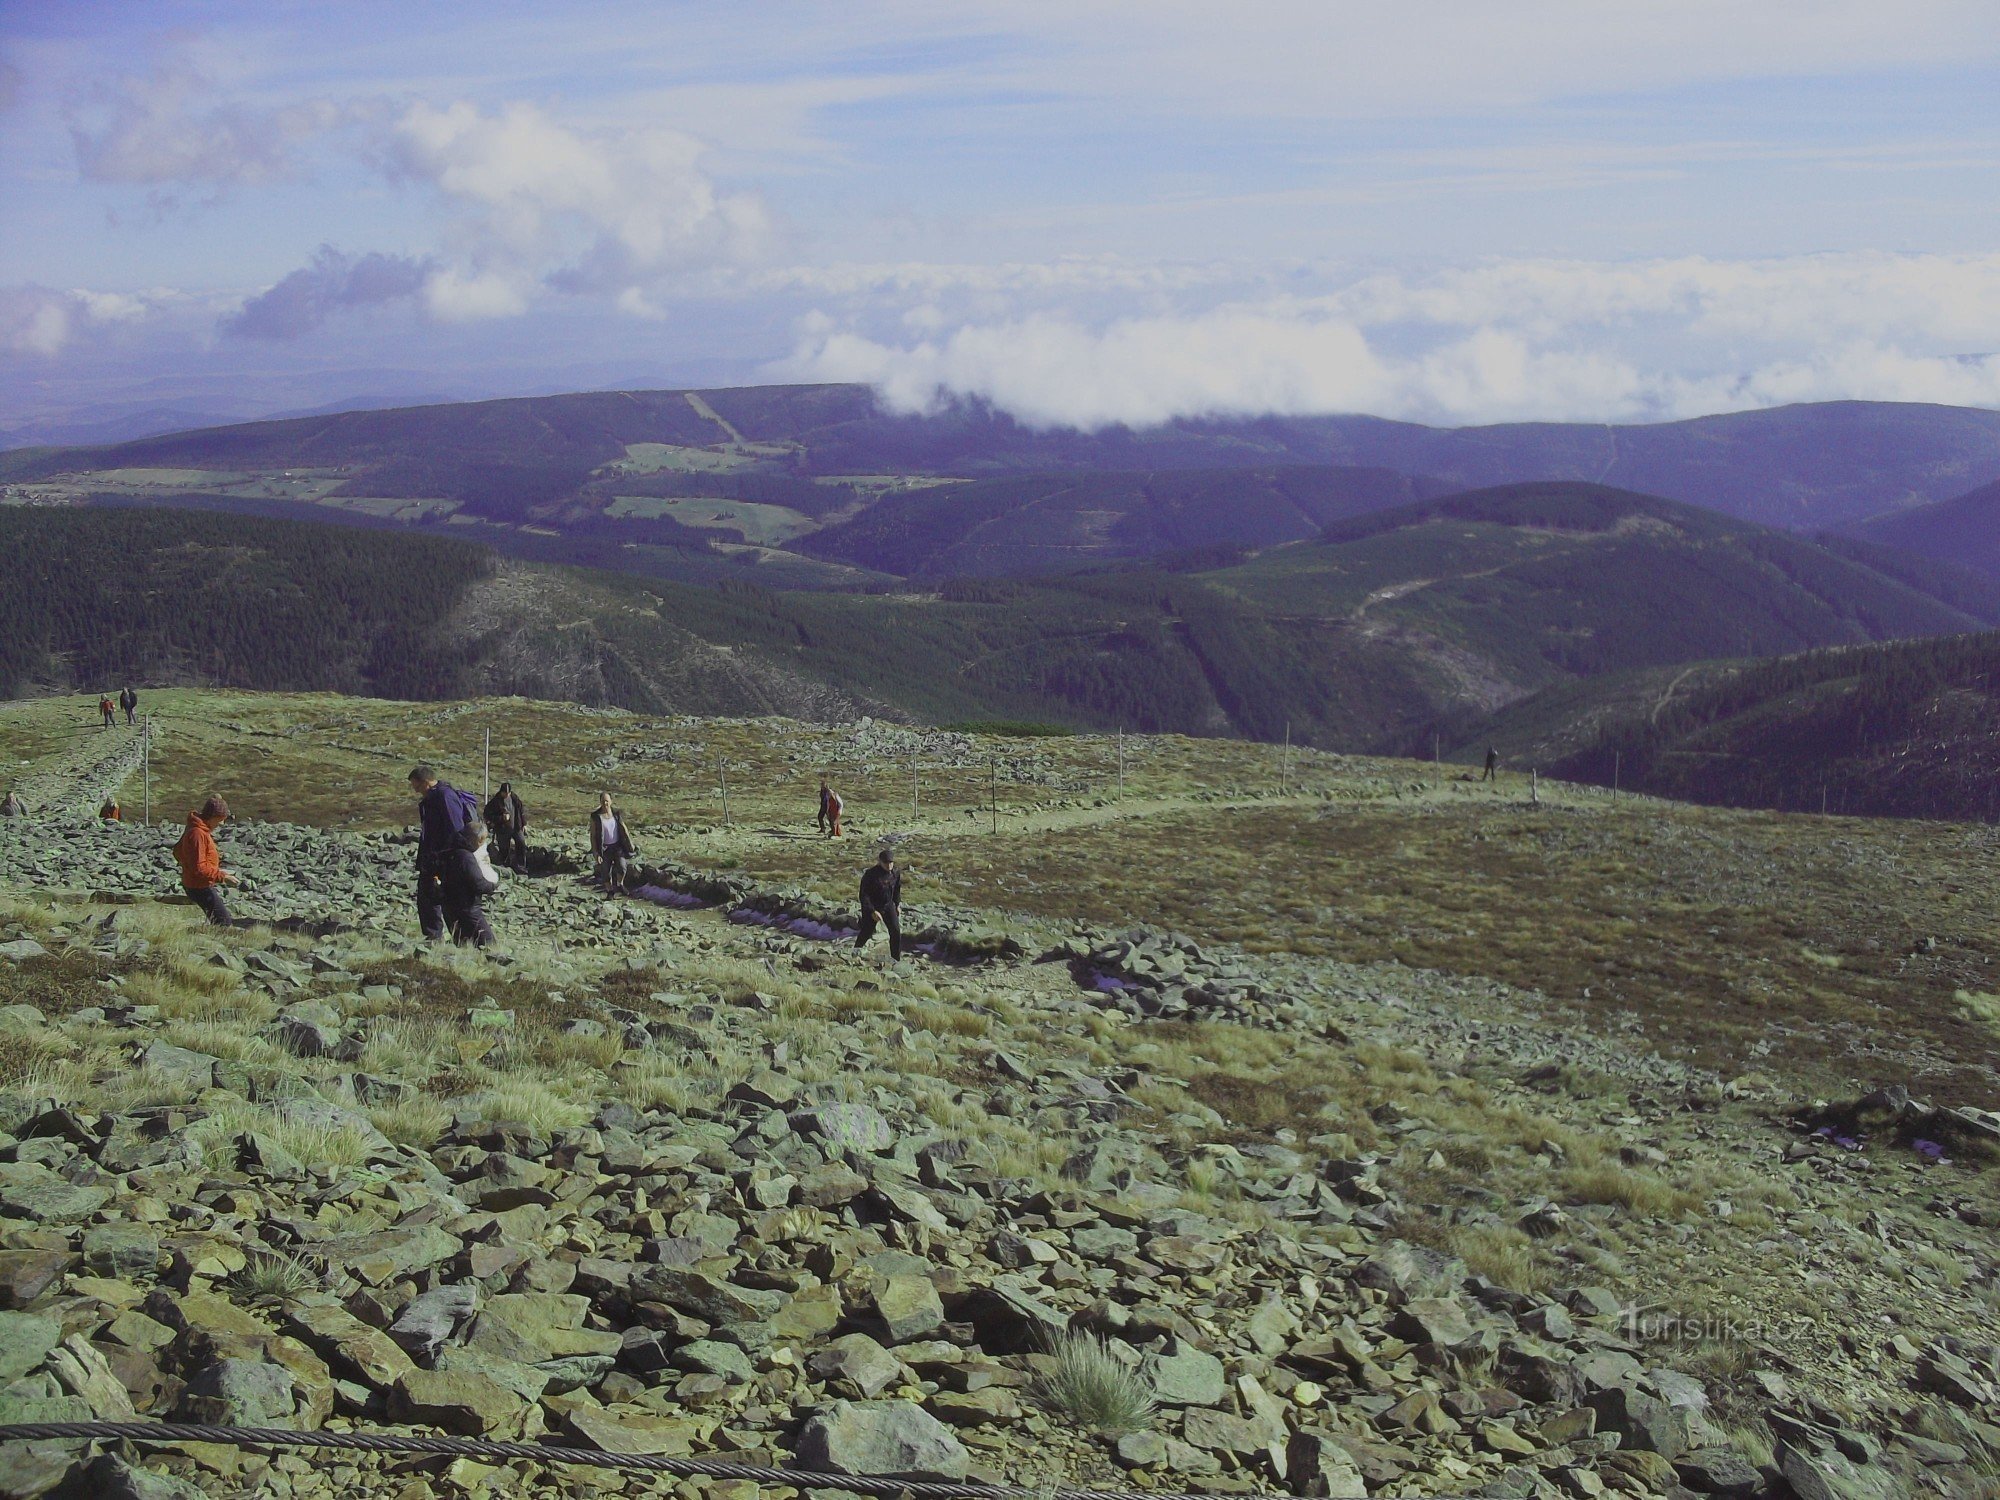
(1121, 760)
(1616, 758)
(1285, 766)
(913, 783)
(722, 778)
(993, 790)
(146, 752)
(1534, 788)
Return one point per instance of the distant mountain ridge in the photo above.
(1806, 467)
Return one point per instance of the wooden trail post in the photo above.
(1822, 799)
(489, 765)
(1534, 788)
(993, 790)
(1121, 760)
(722, 780)
(1437, 760)
(146, 752)
(913, 783)
(1285, 765)
(1616, 758)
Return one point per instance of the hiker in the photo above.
(104, 710)
(468, 878)
(507, 823)
(13, 807)
(832, 807)
(442, 813)
(129, 701)
(201, 862)
(825, 805)
(1492, 771)
(111, 812)
(882, 901)
(610, 846)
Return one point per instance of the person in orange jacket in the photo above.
(201, 861)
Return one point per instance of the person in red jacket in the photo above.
(104, 710)
(201, 861)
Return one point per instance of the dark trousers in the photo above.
(469, 925)
(891, 919)
(209, 899)
(510, 848)
(430, 904)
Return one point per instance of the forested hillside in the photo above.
(92, 599)
(1964, 530)
(1405, 620)
(1052, 523)
(1910, 729)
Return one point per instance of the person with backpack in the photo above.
(507, 824)
(201, 861)
(442, 813)
(832, 807)
(129, 701)
(467, 880)
(825, 805)
(611, 846)
(882, 902)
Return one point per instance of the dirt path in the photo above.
(1667, 694)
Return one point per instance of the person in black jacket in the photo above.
(442, 813)
(882, 902)
(507, 825)
(1492, 771)
(466, 885)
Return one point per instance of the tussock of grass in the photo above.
(521, 1099)
(1090, 1386)
(1625, 1187)
(268, 1277)
(418, 1121)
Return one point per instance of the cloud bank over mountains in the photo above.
(1116, 213)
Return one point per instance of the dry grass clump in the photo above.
(1641, 1192)
(418, 1121)
(1092, 1387)
(271, 1278)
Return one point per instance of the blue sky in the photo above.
(1450, 210)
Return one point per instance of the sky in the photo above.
(1092, 212)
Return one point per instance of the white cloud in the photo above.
(610, 212)
(167, 127)
(1281, 359)
(40, 320)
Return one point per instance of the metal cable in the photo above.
(657, 1463)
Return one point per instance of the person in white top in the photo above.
(610, 846)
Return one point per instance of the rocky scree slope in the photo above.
(664, 1184)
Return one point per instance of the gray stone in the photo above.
(1833, 1476)
(857, 1365)
(25, 1341)
(896, 1438)
(431, 1318)
(239, 1393)
(112, 1478)
(124, 1252)
(1186, 1377)
(704, 1296)
(1432, 1320)
(1642, 1421)
(713, 1357)
(1718, 1471)
(846, 1127)
(909, 1307)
